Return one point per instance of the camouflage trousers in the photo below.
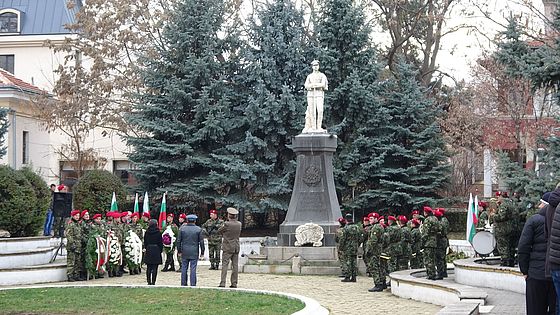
(402, 262)
(506, 246)
(429, 256)
(214, 253)
(350, 268)
(58, 226)
(367, 259)
(342, 262)
(416, 261)
(441, 263)
(74, 266)
(393, 264)
(378, 267)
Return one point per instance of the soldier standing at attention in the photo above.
(375, 249)
(482, 214)
(505, 228)
(74, 247)
(365, 234)
(211, 227)
(442, 244)
(230, 231)
(406, 239)
(182, 219)
(416, 261)
(349, 243)
(337, 238)
(170, 250)
(393, 242)
(430, 231)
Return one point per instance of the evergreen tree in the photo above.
(185, 116)
(407, 161)
(274, 110)
(3, 129)
(349, 62)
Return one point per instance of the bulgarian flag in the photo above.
(136, 205)
(472, 218)
(114, 206)
(146, 205)
(163, 213)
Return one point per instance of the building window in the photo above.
(25, 148)
(7, 63)
(121, 169)
(9, 21)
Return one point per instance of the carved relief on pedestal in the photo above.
(309, 233)
(312, 176)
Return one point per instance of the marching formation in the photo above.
(124, 241)
(394, 244)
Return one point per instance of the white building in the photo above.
(25, 26)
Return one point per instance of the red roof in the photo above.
(9, 80)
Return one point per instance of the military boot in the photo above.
(376, 288)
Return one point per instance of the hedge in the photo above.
(19, 214)
(94, 191)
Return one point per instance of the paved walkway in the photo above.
(338, 297)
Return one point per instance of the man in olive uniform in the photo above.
(337, 237)
(442, 244)
(482, 214)
(230, 231)
(416, 261)
(349, 243)
(393, 242)
(74, 248)
(430, 231)
(374, 249)
(505, 229)
(365, 235)
(170, 251)
(210, 228)
(406, 238)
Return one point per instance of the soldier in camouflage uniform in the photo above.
(365, 235)
(393, 243)
(170, 251)
(482, 214)
(430, 232)
(374, 249)
(337, 237)
(121, 231)
(406, 240)
(86, 225)
(349, 243)
(505, 229)
(74, 248)
(416, 261)
(210, 228)
(442, 244)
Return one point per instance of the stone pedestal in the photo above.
(314, 196)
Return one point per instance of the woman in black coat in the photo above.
(153, 246)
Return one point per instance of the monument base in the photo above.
(287, 235)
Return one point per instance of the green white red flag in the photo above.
(136, 205)
(163, 213)
(114, 205)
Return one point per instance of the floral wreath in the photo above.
(133, 249)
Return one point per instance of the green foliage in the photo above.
(42, 193)
(3, 129)
(19, 214)
(457, 221)
(143, 301)
(94, 192)
(452, 256)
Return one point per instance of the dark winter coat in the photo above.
(553, 232)
(153, 245)
(190, 242)
(532, 247)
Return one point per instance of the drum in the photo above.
(484, 243)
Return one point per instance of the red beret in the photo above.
(442, 210)
(95, 216)
(182, 216)
(498, 193)
(213, 211)
(374, 215)
(136, 214)
(124, 214)
(415, 222)
(415, 212)
(341, 220)
(391, 218)
(60, 187)
(84, 212)
(438, 213)
(482, 204)
(74, 212)
(403, 219)
(365, 218)
(505, 194)
(170, 215)
(146, 214)
(428, 209)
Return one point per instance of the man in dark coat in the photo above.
(189, 241)
(552, 224)
(153, 245)
(540, 294)
(230, 231)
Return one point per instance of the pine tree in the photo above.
(185, 116)
(408, 161)
(3, 129)
(274, 110)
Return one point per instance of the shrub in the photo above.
(42, 193)
(18, 205)
(94, 191)
(457, 220)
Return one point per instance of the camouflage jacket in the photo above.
(350, 240)
(482, 219)
(393, 238)
(506, 218)
(376, 239)
(443, 242)
(430, 231)
(74, 236)
(406, 241)
(415, 240)
(210, 228)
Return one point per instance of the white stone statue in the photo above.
(309, 233)
(316, 84)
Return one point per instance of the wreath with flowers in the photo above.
(96, 254)
(168, 239)
(114, 251)
(133, 249)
